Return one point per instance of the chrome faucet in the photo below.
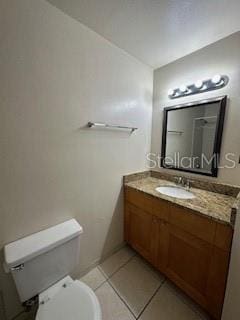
(180, 180)
(187, 184)
(183, 182)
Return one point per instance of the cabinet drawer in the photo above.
(139, 199)
(201, 227)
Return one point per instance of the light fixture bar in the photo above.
(215, 83)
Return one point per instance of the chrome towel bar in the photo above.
(105, 125)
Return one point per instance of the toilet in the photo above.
(40, 265)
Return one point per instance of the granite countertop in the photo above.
(219, 207)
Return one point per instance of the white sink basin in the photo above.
(176, 192)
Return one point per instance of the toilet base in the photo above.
(68, 299)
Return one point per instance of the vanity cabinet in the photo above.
(191, 250)
(138, 231)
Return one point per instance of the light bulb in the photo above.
(170, 92)
(199, 84)
(183, 88)
(216, 79)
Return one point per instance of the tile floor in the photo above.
(128, 288)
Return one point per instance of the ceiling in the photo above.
(157, 32)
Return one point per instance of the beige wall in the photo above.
(231, 308)
(220, 57)
(55, 76)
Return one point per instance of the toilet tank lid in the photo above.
(25, 249)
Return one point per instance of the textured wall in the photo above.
(231, 309)
(55, 76)
(220, 57)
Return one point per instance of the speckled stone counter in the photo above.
(217, 206)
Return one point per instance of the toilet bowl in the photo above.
(68, 300)
(40, 265)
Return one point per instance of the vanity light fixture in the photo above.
(199, 84)
(170, 92)
(183, 89)
(216, 82)
(216, 79)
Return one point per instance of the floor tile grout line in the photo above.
(198, 313)
(105, 277)
(192, 308)
(150, 300)
(100, 285)
(108, 280)
(179, 293)
(122, 299)
(123, 265)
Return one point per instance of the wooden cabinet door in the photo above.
(217, 280)
(185, 259)
(127, 211)
(161, 243)
(189, 249)
(140, 232)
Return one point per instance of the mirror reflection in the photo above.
(192, 136)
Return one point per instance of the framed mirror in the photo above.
(192, 134)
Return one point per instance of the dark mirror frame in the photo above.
(218, 134)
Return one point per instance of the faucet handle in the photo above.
(179, 179)
(188, 183)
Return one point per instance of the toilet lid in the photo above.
(75, 302)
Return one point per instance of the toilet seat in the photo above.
(76, 301)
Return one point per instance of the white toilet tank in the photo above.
(41, 259)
